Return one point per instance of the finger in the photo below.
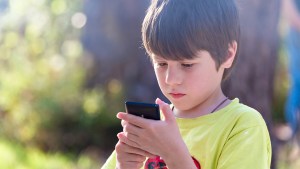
(122, 147)
(135, 158)
(123, 123)
(143, 153)
(128, 139)
(130, 157)
(132, 129)
(135, 120)
(166, 110)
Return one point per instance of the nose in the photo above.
(173, 76)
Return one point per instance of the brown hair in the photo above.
(177, 29)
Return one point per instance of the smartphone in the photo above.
(145, 110)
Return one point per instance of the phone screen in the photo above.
(145, 110)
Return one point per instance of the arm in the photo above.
(161, 138)
(291, 13)
(246, 149)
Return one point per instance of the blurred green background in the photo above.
(66, 68)
(49, 119)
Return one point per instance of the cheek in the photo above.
(159, 76)
(200, 80)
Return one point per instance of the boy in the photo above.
(193, 44)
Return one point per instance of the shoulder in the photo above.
(244, 119)
(243, 114)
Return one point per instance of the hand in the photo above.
(130, 157)
(157, 137)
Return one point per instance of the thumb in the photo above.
(166, 110)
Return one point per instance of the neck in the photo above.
(205, 107)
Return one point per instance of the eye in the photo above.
(161, 64)
(187, 65)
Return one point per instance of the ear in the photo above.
(232, 48)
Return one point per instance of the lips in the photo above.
(176, 95)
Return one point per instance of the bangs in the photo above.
(173, 34)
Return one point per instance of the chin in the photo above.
(181, 106)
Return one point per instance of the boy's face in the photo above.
(188, 83)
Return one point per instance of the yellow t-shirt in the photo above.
(235, 137)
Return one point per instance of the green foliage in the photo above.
(15, 156)
(42, 99)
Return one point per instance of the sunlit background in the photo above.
(66, 69)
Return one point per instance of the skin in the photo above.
(194, 88)
(129, 156)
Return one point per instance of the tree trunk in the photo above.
(253, 77)
(112, 37)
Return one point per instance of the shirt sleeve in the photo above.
(247, 149)
(110, 162)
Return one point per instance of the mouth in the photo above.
(176, 95)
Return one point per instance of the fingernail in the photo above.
(158, 100)
(118, 115)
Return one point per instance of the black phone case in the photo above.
(145, 110)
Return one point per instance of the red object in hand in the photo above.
(159, 163)
(155, 163)
(196, 163)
